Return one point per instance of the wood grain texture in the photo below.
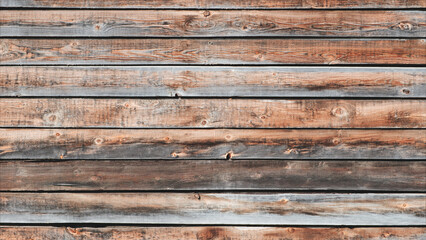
(212, 175)
(211, 113)
(214, 4)
(208, 233)
(172, 23)
(212, 51)
(125, 81)
(214, 208)
(211, 144)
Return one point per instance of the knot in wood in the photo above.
(405, 26)
(206, 13)
(339, 112)
(405, 91)
(52, 118)
(98, 141)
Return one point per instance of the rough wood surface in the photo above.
(209, 233)
(231, 4)
(214, 208)
(172, 23)
(211, 144)
(211, 113)
(212, 51)
(125, 81)
(212, 175)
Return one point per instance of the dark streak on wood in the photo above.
(213, 81)
(171, 23)
(214, 208)
(212, 175)
(212, 51)
(211, 144)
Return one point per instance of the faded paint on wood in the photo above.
(214, 208)
(212, 51)
(74, 81)
(212, 175)
(211, 113)
(208, 233)
(170, 23)
(231, 4)
(211, 144)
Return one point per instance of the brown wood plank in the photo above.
(212, 175)
(211, 144)
(214, 208)
(172, 23)
(212, 51)
(214, 4)
(126, 81)
(206, 233)
(211, 113)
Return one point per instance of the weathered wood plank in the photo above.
(211, 144)
(122, 81)
(206, 233)
(212, 175)
(214, 4)
(214, 208)
(212, 51)
(172, 23)
(211, 113)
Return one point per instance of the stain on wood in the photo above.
(214, 208)
(214, 4)
(211, 144)
(212, 113)
(206, 233)
(212, 51)
(153, 23)
(125, 81)
(196, 175)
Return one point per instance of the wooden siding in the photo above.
(211, 144)
(206, 233)
(214, 23)
(182, 4)
(212, 119)
(212, 113)
(215, 208)
(190, 81)
(199, 175)
(213, 51)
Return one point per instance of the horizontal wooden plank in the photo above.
(211, 144)
(212, 175)
(214, 208)
(214, 4)
(212, 51)
(213, 232)
(126, 81)
(211, 113)
(172, 23)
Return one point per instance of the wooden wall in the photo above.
(212, 119)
